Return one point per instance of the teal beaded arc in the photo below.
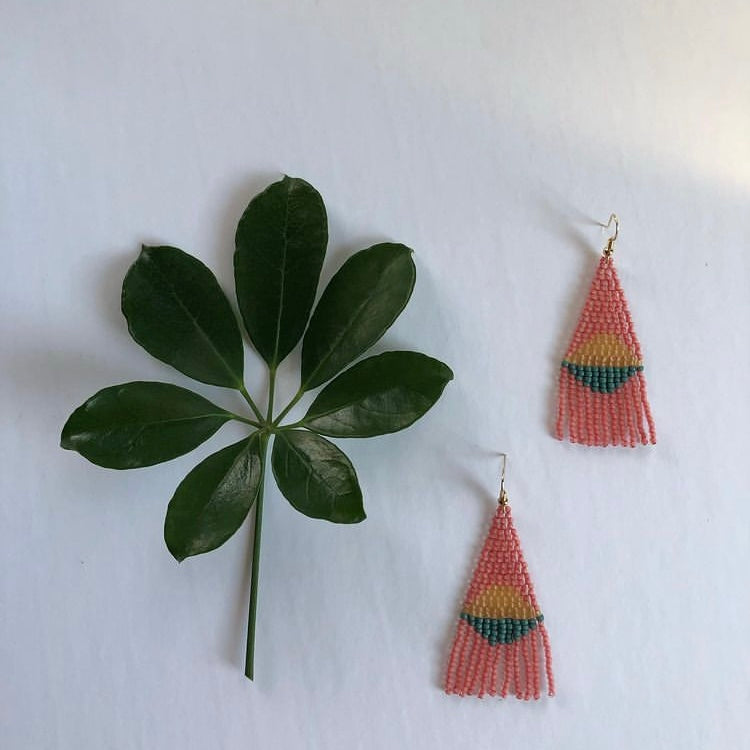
(601, 378)
(502, 629)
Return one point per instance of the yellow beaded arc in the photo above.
(501, 644)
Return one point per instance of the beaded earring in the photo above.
(501, 644)
(602, 392)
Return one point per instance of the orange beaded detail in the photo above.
(501, 644)
(602, 392)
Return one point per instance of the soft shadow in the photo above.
(476, 490)
(45, 372)
(235, 638)
(107, 278)
(566, 225)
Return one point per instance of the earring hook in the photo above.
(610, 248)
(503, 497)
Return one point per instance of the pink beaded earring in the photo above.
(602, 391)
(501, 645)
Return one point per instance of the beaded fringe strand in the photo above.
(501, 646)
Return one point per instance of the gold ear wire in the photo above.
(503, 497)
(610, 247)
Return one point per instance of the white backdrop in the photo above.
(490, 137)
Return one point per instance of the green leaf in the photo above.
(280, 245)
(316, 477)
(212, 501)
(140, 424)
(378, 395)
(357, 307)
(177, 312)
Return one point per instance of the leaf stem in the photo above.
(252, 422)
(271, 392)
(300, 393)
(291, 426)
(253, 606)
(250, 401)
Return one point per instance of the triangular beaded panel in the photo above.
(602, 393)
(501, 644)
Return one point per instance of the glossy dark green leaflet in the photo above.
(378, 395)
(316, 477)
(140, 424)
(212, 501)
(280, 245)
(357, 307)
(177, 312)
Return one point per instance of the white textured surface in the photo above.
(489, 136)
